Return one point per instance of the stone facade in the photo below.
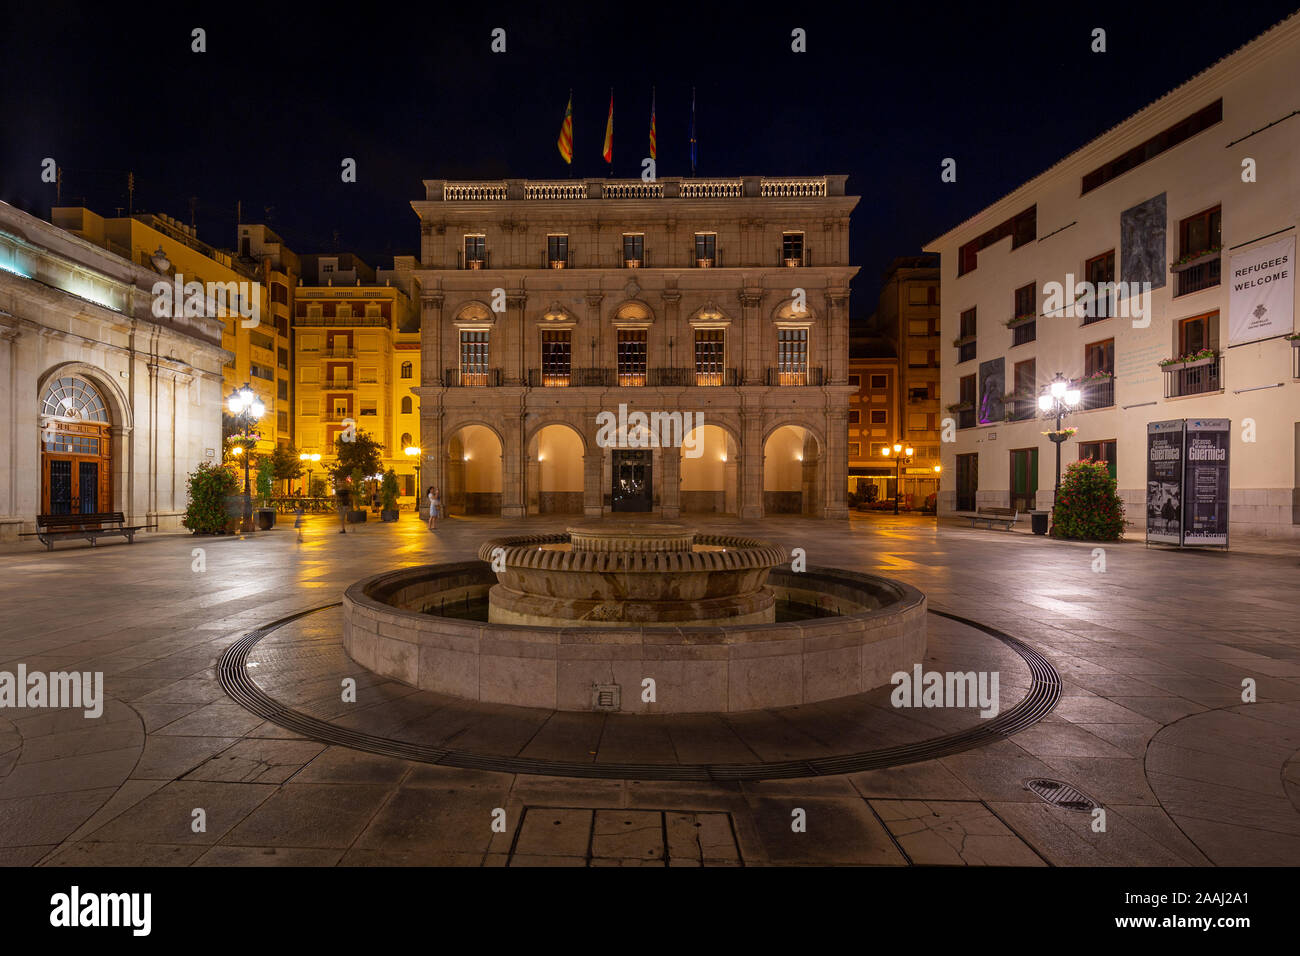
(72, 310)
(547, 304)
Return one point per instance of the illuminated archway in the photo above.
(792, 471)
(710, 472)
(76, 447)
(474, 475)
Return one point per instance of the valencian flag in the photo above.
(565, 142)
(692, 131)
(652, 123)
(608, 152)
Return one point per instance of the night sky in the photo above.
(284, 93)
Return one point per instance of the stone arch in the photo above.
(784, 311)
(112, 463)
(711, 481)
(633, 310)
(555, 468)
(473, 468)
(794, 468)
(474, 311)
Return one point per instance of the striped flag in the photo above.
(608, 152)
(565, 142)
(652, 124)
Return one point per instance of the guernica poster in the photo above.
(1188, 482)
(1205, 482)
(1165, 482)
(1261, 300)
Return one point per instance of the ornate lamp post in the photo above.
(247, 410)
(413, 451)
(1057, 400)
(902, 456)
(311, 461)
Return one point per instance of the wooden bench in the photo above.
(51, 528)
(991, 516)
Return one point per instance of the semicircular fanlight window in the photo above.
(74, 398)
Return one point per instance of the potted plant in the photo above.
(961, 406)
(265, 514)
(963, 340)
(1063, 435)
(388, 495)
(1088, 507)
(1294, 339)
(1194, 257)
(357, 512)
(1020, 320)
(1191, 359)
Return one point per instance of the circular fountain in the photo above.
(581, 620)
(649, 574)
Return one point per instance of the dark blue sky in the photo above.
(284, 93)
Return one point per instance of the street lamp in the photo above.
(1057, 400)
(413, 451)
(310, 460)
(902, 456)
(247, 409)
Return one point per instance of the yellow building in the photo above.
(280, 269)
(261, 352)
(356, 357)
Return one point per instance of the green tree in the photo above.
(265, 477)
(361, 454)
(209, 486)
(285, 463)
(1088, 507)
(388, 490)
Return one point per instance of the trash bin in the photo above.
(1038, 521)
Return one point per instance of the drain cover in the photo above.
(1062, 795)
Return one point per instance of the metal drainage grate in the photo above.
(605, 697)
(1061, 795)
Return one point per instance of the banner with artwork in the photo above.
(1205, 482)
(1165, 482)
(1261, 300)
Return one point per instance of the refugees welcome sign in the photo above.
(1261, 300)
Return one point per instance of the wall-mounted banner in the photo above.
(1205, 482)
(1165, 482)
(1261, 303)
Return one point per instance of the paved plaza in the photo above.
(1150, 724)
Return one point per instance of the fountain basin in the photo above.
(392, 626)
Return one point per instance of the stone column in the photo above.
(836, 360)
(513, 504)
(672, 329)
(670, 485)
(593, 328)
(433, 454)
(514, 362)
(751, 325)
(431, 358)
(751, 459)
(592, 490)
(835, 464)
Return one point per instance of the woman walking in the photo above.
(435, 505)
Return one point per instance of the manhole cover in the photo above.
(1062, 795)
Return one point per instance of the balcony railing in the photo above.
(549, 378)
(966, 418)
(479, 378)
(1024, 333)
(799, 259)
(965, 352)
(792, 188)
(552, 191)
(670, 377)
(333, 321)
(338, 384)
(712, 189)
(633, 190)
(1193, 379)
(1018, 409)
(547, 262)
(787, 376)
(332, 353)
(727, 376)
(592, 377)
(1204, 275)
(1097, 393)
(472, 262)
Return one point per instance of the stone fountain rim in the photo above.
(523, 551)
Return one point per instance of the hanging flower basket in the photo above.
(1192, 360)
(1063, 435)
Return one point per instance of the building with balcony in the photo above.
(257, 350)
(280, 269)
(547, 305)
(908, 313)
(356, 359)
(1193, 200)
(108, 407)
(873, 420)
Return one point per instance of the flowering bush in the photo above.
(1088, 508)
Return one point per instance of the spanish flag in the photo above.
(565, 142)
(609, 132)
(652, 123)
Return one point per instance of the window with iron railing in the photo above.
(475, 248)
(633, 249)
(709, 357)
(474, 357)
(557, 356)
(706, 249)
(792, 356)
(557, 251)
(792, 248)
(1200, 239)
(631, 356)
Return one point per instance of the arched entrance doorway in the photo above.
(555, 476)
(76, 448)
(710, 480)
(473, 472)
(792, 472)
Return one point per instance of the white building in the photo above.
(106, 407)
(1197, 194)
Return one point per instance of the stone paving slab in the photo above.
(1151, 721)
